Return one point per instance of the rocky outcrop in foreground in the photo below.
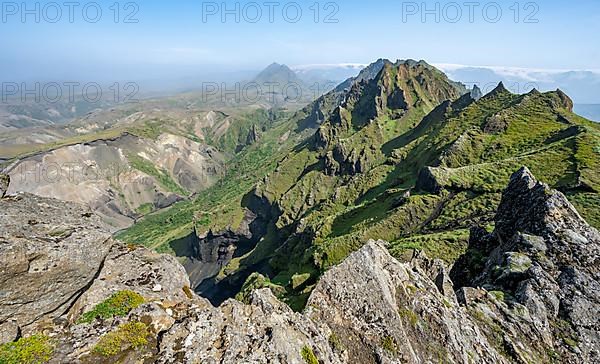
(526, 292)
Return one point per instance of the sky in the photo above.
(166, 40)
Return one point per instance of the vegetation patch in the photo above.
(447, 245)
(410, 316)
(389, 344)
(117, 305)
(35, 349)
(309, 356)
(145, 209)
(335, 342)
(257, 281)
(131, 335)
(162, 177)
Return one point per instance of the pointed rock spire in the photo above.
(476, 93)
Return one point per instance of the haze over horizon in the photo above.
(154, 40)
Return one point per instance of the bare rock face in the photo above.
(384, 311)
(50, 252)
(154, 276)
(266, 331)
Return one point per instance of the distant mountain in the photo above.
(282, 87)
(277, 73)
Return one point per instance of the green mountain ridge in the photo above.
(407, 156)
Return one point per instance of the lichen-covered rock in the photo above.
(265, 331)
(157, 318)
(386, 311)
(543, 266)
(50, 252)
(9, 331)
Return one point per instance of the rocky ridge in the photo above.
(526, 292)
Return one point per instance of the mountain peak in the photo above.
(476, 93)
(499, 90)
(277, 73)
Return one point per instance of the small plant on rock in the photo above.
(308, 355)
(35, 349)
(117, 305)
(131, 335)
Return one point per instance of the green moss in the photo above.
(257, 281)
(389, 344)
(335, 342)
(572, 343)
(119, 304)
(131, 335)
(498, 295)
(308, 355)
(410, 316)
(34, 349)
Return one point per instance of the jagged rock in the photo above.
(496, 124)
(476, 93)
(436, 271)
(50, 252)
(469, 295)
(564, 100)
(4, 182)
(546, 264)
(385, 311)
(499, 90)
(139, 270)
(253, 135)
(533, 297)
(262, 332)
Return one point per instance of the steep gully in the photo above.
(205, 254)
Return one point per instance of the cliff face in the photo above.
(50, 252)
(526, 292)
